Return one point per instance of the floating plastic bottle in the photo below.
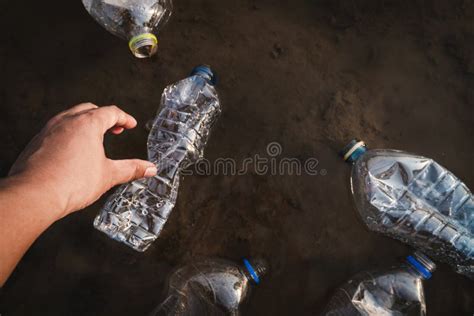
(415, 200)
(211, 287)
(136, 21)
(136, 213)
(396, 291)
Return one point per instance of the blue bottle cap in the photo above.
(206, 72)
(422, 264)
(352, 151)
(253, 273)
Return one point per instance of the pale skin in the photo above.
(63, 169)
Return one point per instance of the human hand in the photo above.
(66, 161)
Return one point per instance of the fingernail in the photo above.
(150, 172)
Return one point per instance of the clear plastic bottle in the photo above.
(136, 213)
(136, 21)
(210, 287)
(415, 200)
(395, 291)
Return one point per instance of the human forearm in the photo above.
(26, 210)
(62, 170)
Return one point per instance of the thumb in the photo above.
(132, 169)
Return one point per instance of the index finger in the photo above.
(112, 116)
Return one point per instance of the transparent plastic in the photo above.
(136, 213)
(394, 291)
(137, 21)
(210, 287)
(415, 200)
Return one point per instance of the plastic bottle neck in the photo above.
(143, 45)
(422, 265)
(206, 73)
(353, 151)
(255, 271)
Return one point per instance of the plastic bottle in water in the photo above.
(136, 21)
(136, 213)
(415, 200)
(395, 291)
(210, 287)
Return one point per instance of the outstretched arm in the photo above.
(62, 170)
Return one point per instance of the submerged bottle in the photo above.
(136, 21)
(415, 200)
(210, 287)
(395, 291)
(136, 213)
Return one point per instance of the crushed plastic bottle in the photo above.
(395, 291)
(415, 200)
(136, 21)
(211, 287)
(136, 213)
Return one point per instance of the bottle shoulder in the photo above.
(128, 18)
(192, 90)
(384, 290)
(223, 282)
